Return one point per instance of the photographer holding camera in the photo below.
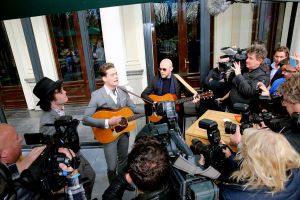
(269, 168)
(52, 99)
(148, 168)
(10, 151)
(244, 86)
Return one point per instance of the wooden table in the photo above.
(195, 132)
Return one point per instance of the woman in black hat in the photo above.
(52, 99)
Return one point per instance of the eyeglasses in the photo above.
(162, 69)
(284, 69)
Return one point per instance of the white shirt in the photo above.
(111, 94)
(114, 97)
(60, 112)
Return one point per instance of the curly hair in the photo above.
(266, 158)
(104, 68)
(290, 89)
(259, 50)
(148, 164)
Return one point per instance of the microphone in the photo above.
(215, 7)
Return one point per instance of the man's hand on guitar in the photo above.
(114, 120)
(196, 98)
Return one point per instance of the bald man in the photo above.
(10, 151)
(166, 83)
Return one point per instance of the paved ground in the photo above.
(28, 122)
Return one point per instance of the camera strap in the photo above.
(191, 168)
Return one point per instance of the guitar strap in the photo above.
(192, 90)
(127, 91)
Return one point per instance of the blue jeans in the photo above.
(116, 156)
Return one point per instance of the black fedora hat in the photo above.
(44, 87)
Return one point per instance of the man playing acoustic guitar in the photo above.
(112, 97)
(167, 83)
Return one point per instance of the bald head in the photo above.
(166, 68)
(10, 144)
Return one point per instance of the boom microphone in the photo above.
(215, 7)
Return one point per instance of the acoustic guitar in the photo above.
(172, 97)
(126, 124)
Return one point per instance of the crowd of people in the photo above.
(267, 163)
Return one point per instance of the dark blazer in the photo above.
(276, 76)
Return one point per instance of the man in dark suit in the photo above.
(110, 96)
(281, 53)
(166, 83)
(52, 100)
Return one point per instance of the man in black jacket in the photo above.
(14, 165)
(148, 168)
(244, 86)
(167, 83)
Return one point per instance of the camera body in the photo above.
(44, 173)
(213, 152)
(234, 55)
(186, 186)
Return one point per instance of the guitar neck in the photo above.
(134, 117)
(179, 101)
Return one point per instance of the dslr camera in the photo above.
(213, 152)
(246, 120)
(44, 173)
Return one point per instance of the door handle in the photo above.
(186, 65)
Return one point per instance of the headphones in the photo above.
(6, 184)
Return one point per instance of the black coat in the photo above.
(237, 192)
(276, 76)
(244, 87)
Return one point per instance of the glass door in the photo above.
(176, 36)
(11, 92)
(69, 56)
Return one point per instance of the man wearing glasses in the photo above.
(166, 83)
(52, 100)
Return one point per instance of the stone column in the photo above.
(113, 39)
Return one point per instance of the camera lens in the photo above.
(230, 127)
(197, 146)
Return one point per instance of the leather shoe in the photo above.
(130, 188)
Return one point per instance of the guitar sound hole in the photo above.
(123, 121)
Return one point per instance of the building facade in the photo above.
(72, 46)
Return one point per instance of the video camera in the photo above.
(234, 55)
(44, 173)
(186, 186)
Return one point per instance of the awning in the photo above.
(12, 9)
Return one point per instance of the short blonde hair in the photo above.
(266, 157)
